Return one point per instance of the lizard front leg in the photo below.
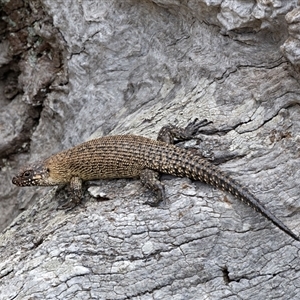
(76, 194)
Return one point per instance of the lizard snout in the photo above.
(15, 181)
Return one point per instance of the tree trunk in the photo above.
(72, 70)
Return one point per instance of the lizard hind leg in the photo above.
(170, 133)
(150, 179)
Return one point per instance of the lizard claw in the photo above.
(193, 127)
(68, 205)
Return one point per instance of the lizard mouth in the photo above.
(15, 181)
(19, 182)
(26, 178)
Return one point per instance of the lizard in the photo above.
(133, 156)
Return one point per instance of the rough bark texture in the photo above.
(75, 69)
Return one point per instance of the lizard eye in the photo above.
(27, 174)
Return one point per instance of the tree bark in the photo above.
(73, 70)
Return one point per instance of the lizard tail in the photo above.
(204, 171)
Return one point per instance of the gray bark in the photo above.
(72, 70)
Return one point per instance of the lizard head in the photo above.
(44, 173)
(33, 175)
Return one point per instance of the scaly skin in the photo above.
(130, 156)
